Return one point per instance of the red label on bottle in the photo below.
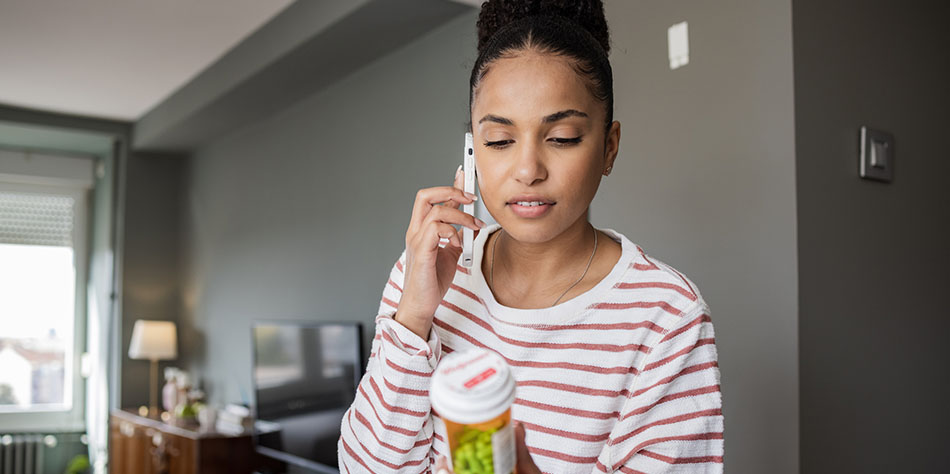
(479, 378)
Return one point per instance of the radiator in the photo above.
(23, 453)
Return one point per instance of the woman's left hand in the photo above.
(523, 465)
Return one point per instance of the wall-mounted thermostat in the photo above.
(877, 155)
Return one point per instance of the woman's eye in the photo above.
(558, 141)
(498, 144)
(566, 141)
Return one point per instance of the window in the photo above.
(42, 299)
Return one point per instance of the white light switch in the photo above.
(678, 39)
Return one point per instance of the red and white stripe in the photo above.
(629, 385)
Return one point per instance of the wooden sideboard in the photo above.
(142, 445)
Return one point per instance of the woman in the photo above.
(613, 351)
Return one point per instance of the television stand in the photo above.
(290, 464)
(146, 445)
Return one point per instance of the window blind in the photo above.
(36, 219)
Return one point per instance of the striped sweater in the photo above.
(622, 378)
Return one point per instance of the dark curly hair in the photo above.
(576, 29)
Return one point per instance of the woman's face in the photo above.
(539, 138)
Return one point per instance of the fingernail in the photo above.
(458, 171)
(471, 196)
(443, 471)
(480, 223)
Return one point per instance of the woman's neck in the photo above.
(543, 267)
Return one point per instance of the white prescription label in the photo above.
(503, 450)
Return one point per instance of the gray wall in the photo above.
(873, 256)
(151, 271)
(302, 214)
(706, 182)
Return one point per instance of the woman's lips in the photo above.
(530, 212)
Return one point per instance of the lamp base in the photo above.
(153, 390)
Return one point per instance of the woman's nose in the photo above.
(529, 169)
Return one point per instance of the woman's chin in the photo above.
(530, 231)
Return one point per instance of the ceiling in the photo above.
(115, 59)
(119, 59)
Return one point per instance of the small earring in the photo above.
(607, 171)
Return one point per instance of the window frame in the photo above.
(80, 189)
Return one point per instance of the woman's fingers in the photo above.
(428, 198)
(525, 465)
(431, 234)
(520, 447)
(442, 466)
(459, 183)
(451, 215)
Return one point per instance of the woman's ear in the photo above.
(612, 147)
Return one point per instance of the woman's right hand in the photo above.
(430, 268)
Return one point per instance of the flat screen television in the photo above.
(305, 376)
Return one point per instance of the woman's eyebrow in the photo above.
(562, 115)
(497, 119)
(548, 119)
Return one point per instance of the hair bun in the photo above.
(588, 14)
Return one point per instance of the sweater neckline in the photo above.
(563, 311)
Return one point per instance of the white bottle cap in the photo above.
(472, 386)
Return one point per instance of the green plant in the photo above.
(78, 465)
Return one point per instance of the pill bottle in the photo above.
(472, 392)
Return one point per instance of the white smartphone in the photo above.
(468, 167)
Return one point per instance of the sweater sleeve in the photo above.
(673, 420)
(388, 428)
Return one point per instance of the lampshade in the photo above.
(153, 340)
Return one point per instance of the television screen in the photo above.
(305, 377)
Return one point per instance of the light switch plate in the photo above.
(677, 37)
(877, 155)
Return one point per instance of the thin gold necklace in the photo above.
(491, 271)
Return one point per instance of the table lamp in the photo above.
(153, 341)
